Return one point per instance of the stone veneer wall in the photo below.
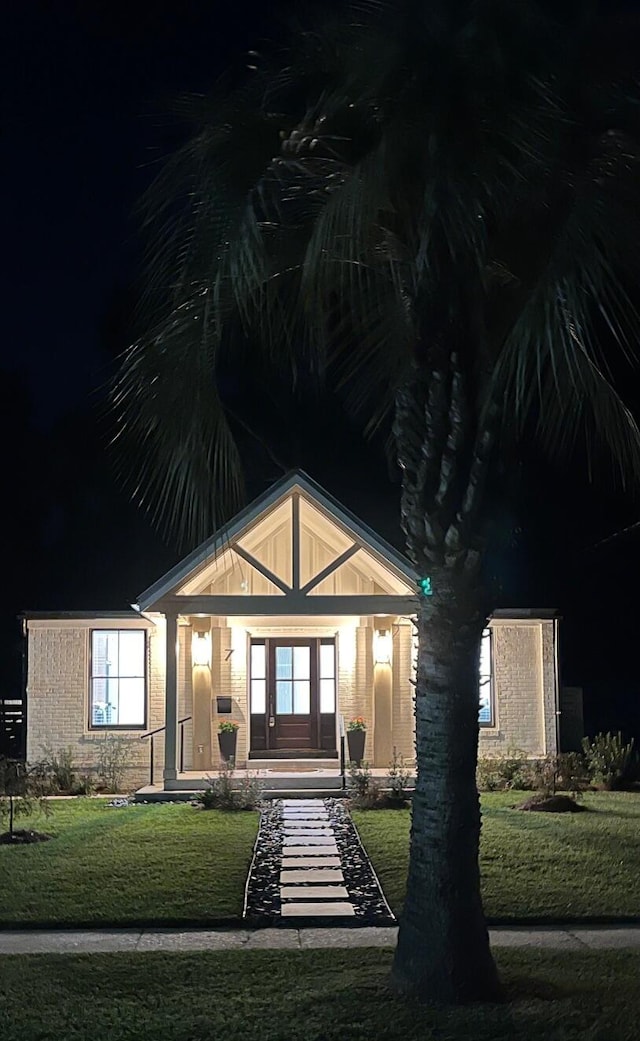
(58, 694)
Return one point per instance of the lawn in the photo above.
(137, 865)
(329, 995)
(536, 866)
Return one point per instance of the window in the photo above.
(258, 678)
(485, 714)
(117, 691)
(327, 676)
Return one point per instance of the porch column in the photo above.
(202, 691)
(383, 693)
(170, 772)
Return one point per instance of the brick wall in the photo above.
(58, 695)
(524, 689)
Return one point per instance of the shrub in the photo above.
(608, 758)
(222, 794)
(572, 772)
(398, 781)
(85, 784)
(113, 753)
(504, 772)
(58, 768)
(362, 790)
(23, 788)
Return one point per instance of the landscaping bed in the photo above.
(534, 866)
(134, 865)
(330, 995)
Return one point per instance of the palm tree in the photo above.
(433, 207)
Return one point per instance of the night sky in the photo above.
(86, 92)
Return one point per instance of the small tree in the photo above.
(22, 790)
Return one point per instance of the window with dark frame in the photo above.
(117, 690)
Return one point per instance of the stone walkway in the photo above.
(309, 864)
(85, 941)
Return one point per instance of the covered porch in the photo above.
(295, 620)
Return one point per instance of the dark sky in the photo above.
(86, 86)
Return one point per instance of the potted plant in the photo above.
(356, 736)
(227, 739)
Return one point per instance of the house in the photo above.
(294, 619)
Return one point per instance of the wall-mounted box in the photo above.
(223, 705)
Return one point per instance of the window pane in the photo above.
(484, 713)
(104, 653)
(258, 696)
(131, 654)
(327, 661)
(327, 695)
(302, 697)
(284, 662)
(131, 703)
(258, 661)
(98, 702)
(301, 663)
(283, 698)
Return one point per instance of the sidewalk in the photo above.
(88, 941)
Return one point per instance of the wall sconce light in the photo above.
(382, 646)
(201, 649)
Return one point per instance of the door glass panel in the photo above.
(258, 661)
(302, 697)
(301, 663)
(284, 662)
(327, 661)
(258, 696)
(327, 695)
(284, 697)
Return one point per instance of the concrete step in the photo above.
(153, 793)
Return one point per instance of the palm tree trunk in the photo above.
(443, 952)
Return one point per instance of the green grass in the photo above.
(536, 866)
(169, 863)
(336, 995)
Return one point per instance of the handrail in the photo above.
(151, 733)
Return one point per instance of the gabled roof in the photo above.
(294, 482)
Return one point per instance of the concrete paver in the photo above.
(307, 909)
(314, 875)
(330, 850)
(302, 863)
(313, 892)
(306, 835)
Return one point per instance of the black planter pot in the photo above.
(227, 740)
(355, 741)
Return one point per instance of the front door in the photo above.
(292, 697)
(292, 693)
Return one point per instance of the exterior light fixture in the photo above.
(201, 649)
(382, 645)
